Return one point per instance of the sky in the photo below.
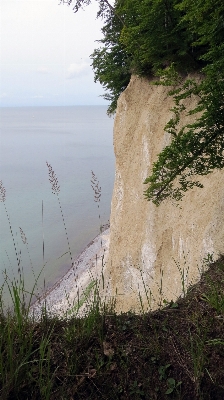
(44, 54)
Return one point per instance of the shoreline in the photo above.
(68, 289)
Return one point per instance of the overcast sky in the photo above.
(44, 54)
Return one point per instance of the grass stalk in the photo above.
(56, 190)
(173, 352)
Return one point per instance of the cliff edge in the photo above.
(156, 252)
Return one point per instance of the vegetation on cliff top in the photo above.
(143, 37)
(170, 39)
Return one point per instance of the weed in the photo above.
(172, 385)
(56, 190)
(163, 371)
(103, 355)
(183, 274)
(215, 297)
(216, 342)
(170, 304)
(97, 194)
(3, 199)
(176, 351)
(135, 389)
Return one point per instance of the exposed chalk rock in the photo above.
(156, 252)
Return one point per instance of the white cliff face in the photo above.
(155, 252)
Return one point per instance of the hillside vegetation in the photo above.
(176, 352)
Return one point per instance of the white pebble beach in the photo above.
(65, 294)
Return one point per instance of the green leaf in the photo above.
(170, 390)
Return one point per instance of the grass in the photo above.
(173, 353)
(176, 352)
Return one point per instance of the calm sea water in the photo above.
(74, 140)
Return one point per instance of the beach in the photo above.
(67, 296)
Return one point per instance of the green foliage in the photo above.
(111, 63)
(140, 37)
(205, 19)
(104, 355)
(215, 296)
(163, 371)
(196, 149)
(104, 5)
(182, 35)
(172, 385)
(135, 389)
(153, 35)
(157, 37)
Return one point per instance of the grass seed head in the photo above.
(2, 192)
(53, 179)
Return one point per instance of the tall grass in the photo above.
(2, 200)
(176, 352)
(55, 188)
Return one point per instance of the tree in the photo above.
(110, 62)
(155, 38)
(104, 5)
(197, 149)
(139, 37)
(169, 38)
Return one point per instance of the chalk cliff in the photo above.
(156, 252)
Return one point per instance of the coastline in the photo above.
(65, 294)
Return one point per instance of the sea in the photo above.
(36, 224)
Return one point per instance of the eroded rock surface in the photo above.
(155, 252)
